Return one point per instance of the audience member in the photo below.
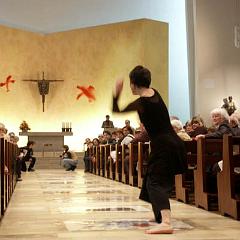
(220, 121)
(107, 138)
(178, 128)
(188, 127)
(128, 135)
(120, 136)
(234, 124)
(197, 127)
(86, 157)
(69, 159)
(2, 130)
(107, 123)
(140, 136)
(127, 124)
(29, 157)
(19, 163)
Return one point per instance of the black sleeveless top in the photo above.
(167, 149)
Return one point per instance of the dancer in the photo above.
(167, 156)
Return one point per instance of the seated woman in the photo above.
(220, 121)
(178, 128)
(197, 127)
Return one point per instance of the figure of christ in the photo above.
(43, 86)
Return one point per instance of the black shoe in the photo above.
(31, 170)
(73, 168)
(68, 169)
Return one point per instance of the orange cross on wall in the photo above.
(6, 83)
(87, 91)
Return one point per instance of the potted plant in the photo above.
(24, 126)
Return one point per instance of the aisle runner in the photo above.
(122, 224)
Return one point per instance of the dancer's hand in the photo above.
(118, 87)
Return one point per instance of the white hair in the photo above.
(222, 111)
(177, 124)
(234, 118)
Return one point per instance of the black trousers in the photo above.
(157, 190)
(87, 160)
(19, 163)
(31, 165)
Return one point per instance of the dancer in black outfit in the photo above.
(167, 157)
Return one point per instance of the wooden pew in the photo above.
(8, 153)
(229, 202)
(94, 153)
(133, 157)
(2, 175)
(6, 175)
(102, 160)
(209, 151)
(118, 163)
(111, 164)
(107, 151)
(184, 183)
(91, 163)
(97, 156)
(125, 152)
(143, 153)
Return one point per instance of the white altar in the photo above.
(47, 141)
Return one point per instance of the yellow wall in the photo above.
(92, 56)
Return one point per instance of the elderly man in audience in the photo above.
(178, 128)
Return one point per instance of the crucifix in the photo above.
(43, 86)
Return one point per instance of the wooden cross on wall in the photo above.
(43, 86)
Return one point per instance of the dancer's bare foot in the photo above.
(161, 228)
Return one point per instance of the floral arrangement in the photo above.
(24, 126)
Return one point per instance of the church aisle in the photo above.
(55, 204)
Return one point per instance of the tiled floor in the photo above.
(55, 204)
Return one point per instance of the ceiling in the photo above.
(48, 16)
